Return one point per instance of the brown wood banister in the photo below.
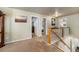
(61, 39)
(59, 48)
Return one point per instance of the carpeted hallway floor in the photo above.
(31, 45)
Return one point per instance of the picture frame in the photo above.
(21, 19)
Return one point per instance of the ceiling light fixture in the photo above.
(56, 14)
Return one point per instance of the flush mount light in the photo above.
(56, 14)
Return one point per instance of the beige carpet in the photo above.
(30, 45)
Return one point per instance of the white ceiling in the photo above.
(50, 10)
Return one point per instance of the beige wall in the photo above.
(73, 23)
(19, 31)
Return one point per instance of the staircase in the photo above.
(59, 38)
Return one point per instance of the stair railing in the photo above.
(60, 38)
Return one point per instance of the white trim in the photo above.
(17, 40)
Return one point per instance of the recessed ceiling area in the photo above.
(50, 10)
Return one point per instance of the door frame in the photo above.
(36, 33)
(45, 24)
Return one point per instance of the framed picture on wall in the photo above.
(21, 19)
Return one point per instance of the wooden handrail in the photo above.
(59, 48)
(60, 39)
(49, 36)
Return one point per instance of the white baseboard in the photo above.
(17, 40)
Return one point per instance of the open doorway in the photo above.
(44, 26)
(34, 26)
